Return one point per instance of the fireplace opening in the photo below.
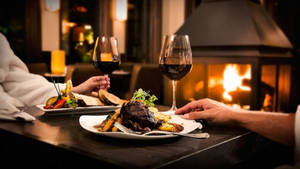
(236, 85)
(240, 57)
(230, 83)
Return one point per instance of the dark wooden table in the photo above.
(60, 142)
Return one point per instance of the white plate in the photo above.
(88, 122)
(79, 110)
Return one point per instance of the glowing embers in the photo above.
(230, 83)
(233, 80)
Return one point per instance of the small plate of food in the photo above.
(140, 116)
(67, 102)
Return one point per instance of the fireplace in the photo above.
(240, 57)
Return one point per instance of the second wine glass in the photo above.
(175, 61)
(106, 57)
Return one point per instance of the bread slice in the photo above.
(95, 94)
(108, 98)
(88, 100)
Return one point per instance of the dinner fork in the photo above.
(127, 130)
(195, 135)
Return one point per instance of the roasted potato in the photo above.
(171, 127)
(51, 101)
(160, 116)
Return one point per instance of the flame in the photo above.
(233, 80)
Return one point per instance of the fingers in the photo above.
(101, 82)
(187, 108)
(205, 115)
(101, 78)
(199, 105)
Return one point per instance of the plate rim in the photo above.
(41, 106)
(119, 135)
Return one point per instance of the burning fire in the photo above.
(233, 80)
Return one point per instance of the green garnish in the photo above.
(144, 97)
(72, 103)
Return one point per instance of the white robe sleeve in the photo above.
(297, 136)
(297, 143)
(18, 86)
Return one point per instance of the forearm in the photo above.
(275, 126)
(76, 89)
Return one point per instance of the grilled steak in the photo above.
(136, 116)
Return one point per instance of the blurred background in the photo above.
(36, 28)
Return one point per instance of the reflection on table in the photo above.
(60, 142)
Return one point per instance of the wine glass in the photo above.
(106, 57)
(175, 61)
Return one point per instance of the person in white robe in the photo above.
(19, 87)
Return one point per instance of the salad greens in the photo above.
(144, 97)
(72, 103)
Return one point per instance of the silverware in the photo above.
(156, 132)
(195, 135)
(125, 129)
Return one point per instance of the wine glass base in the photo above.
(170, 112)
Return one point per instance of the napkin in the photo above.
(19, 116)
(9, 111)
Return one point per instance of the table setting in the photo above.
(132, 133)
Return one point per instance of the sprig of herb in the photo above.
(58, 93)
(144, 97)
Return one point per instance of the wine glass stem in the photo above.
(174, 83)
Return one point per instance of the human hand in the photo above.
(207, 109)
(94, 83)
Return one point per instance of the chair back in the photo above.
(149, 78)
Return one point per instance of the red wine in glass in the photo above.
(106, 67)
(175, 71)
(175, 61)
(106, 56)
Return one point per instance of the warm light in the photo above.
(233, 80)
(268, 103)
(106, 57)
(58, 62)
(87, 27)
(121, 10)
(199, 85)
(103, 38)
(236, 106)
(66, 25)
(213, 82)
(52, 5)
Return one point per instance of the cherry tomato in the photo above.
(48, 107)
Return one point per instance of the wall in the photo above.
(172, 15)
(172, 18)
(50, 28)
(119, 27)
